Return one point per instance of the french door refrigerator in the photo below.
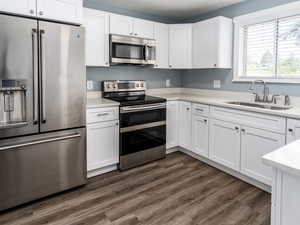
(42, 114)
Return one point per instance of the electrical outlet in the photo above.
(168, 83)
(217, 84)
(89, 85)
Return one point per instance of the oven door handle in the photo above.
(142, 126)
(128, 109)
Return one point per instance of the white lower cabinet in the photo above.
(185, 124)
(254, 144)
(200, 135)
(172, 124)
(293, 130)
(102, 139)
(224, 143)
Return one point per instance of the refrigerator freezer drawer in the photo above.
(40, 165)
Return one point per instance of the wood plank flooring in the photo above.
(178, 190)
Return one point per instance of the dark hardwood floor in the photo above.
(178, 190)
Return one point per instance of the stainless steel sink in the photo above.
(262, 106)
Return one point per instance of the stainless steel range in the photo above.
(42, 109)
(142, 122)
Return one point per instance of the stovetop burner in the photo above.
(137, 100)
(128, 93)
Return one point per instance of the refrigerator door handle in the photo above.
(35, 76)
(60, 138)
(42, 77)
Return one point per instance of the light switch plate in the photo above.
(89, 85)
(217, 84)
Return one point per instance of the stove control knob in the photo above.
(108, 86)
(142, 85)
(137, 85)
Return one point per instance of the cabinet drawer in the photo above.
(102, 114)
(200, 109)
(256, 120)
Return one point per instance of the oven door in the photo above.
(142, 127)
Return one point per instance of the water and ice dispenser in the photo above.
(13, 103)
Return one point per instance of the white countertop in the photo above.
(286, 158)
(294, 112)
(100, 103)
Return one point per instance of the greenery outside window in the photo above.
(267, 45)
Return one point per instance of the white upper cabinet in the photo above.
(185, 125)
(124, 25)
(212, 43)
(180, 46)
(161, 35)
(172, 124)
(225, 143)
(143, 28)
(96, 24)
(23, 7)
(69, 11)
(60, 10)
(255, 143)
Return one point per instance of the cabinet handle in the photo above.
(187, 109)
(31, 11)
(243, 130)
(237, 129)
(102, 114)
(290, 130)
(170, 66)
(131, 33)
(215, 65)
(117, 124)
(41, 13)
(106, 63)
(135, 34)
(205, 121)
(201, 110)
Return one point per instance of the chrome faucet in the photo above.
(265, 90)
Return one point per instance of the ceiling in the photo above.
(173, 9)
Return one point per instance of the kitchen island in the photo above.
(286, 184)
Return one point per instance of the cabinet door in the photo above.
(224, 144)
(102, 145)
(180, 44)
(200, 136)
(96, 25)
(205, 44)
(161, 36)
(61, 10)
(185, 122)
(255, 143)
(122, 25)
(172, 124)
(23, 7)
(293, 130)
(143, 28)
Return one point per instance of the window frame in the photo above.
(272, 14)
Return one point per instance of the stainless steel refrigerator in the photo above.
(42, 114)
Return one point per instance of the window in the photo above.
(267, 45)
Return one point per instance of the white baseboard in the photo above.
(100, 171)
(171, 150)
(231, 172)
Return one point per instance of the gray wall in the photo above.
(155, 78)
(205, 78)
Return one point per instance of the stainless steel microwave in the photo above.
(132, 50)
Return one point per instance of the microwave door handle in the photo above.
(146, 52)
